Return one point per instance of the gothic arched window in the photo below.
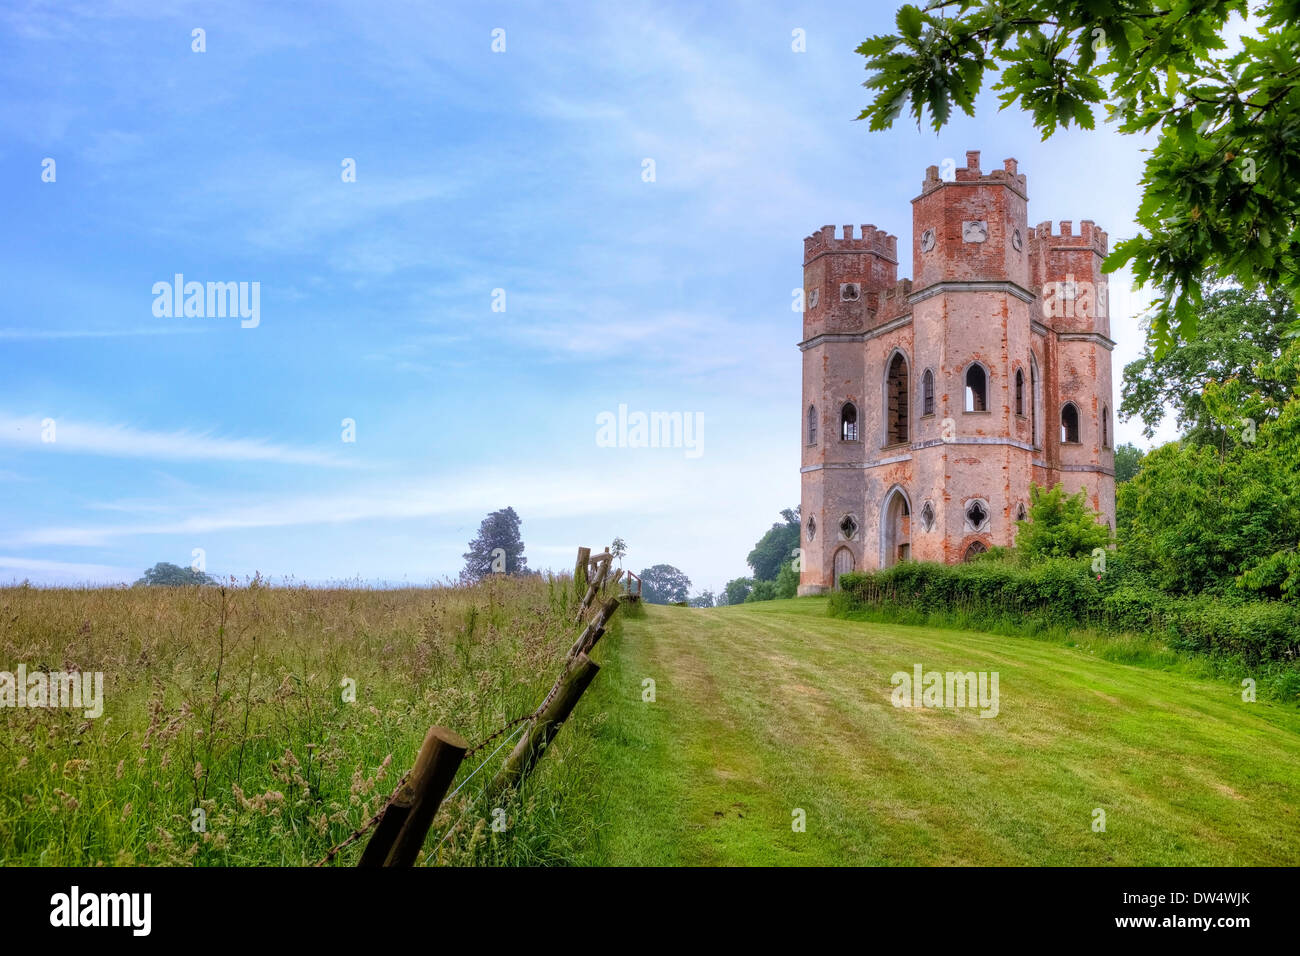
(1070, 424)
(927, 393)
(812, 424)
(1020, 392)
(977, 383)
(849, 422)
(1033, 398)
(896, 431)
(1105, 426)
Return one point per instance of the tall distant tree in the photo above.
(498, 548)
(1221, 188)
(737, 590)
(703, 599)
(664, 584)
(1128, 459)
(775, 546)
(1239, 332)
(165, 574)
(618, 549)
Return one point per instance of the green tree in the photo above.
(618, 549)
(787, 581)
(497, 548)
(762, 591)
(703, 599)
(1058, 526)
(1221, 187)
(1239, 331)
(165, 574)
(664, 584)
(775, 546)
(1192, 521)
(1128, 459)
(737, 590)
(1262, 473)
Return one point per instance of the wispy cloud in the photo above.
(66, 571)
(123, 441)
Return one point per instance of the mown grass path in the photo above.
(764, 708)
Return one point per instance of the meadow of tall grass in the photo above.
(227, 738)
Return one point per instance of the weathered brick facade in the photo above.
(901, 457)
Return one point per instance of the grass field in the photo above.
(764, 708)
(234, 706)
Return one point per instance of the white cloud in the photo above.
(123, 441)
(60, 572)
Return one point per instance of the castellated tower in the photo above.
(931, 405)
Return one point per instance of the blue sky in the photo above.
(475, 170)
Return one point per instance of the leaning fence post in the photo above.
(401, 831)
(543, 730)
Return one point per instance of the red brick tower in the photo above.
(930, 406)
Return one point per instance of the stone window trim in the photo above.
(1071, 424)
(849, 422)
(927, 393)
(812, 424)
(896, 388)
(978, 515)
(811, 526)
(970, 395)
(848, 528)
(927, 515)
(1019, 396)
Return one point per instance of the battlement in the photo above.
(1089, 236)
(872, 240)
(971, 173)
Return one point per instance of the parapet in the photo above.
(971, 173)
(872, 240)
(1089, 236)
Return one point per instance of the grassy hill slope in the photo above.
(764, 708)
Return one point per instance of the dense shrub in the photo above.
(1067, 593)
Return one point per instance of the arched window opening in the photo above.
(1033, 399)
(896, 431)
(849, 422)
(1021, 514)
(927, 393)
(812, 527)
(1105, 426)
(812, 424)
(1020, 392)
(975, 550)
(1070, 424)
(927, 516)
(977, 513)
(848, 527)
(976, 389)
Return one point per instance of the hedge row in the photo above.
(1069, 593)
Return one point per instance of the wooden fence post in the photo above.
(580, 570)
(543, 730)
(401, 831)
(594, 629)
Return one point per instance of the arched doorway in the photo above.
(895, 528)
(843, 564)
